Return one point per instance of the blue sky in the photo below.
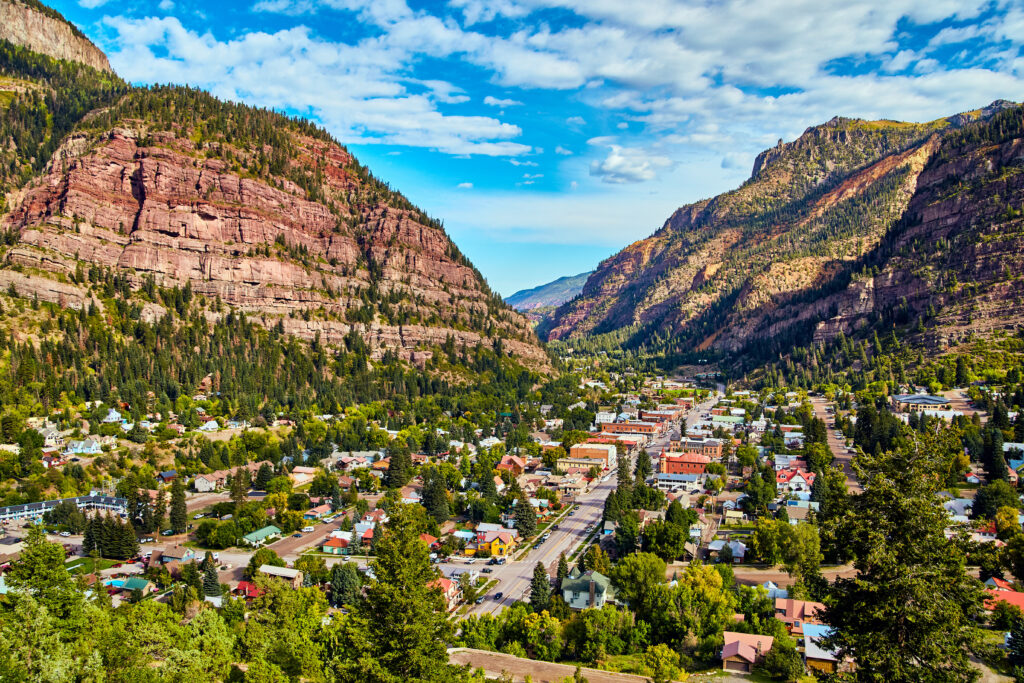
(548, 134)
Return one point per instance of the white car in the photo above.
(65, 534)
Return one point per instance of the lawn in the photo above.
(86, 565)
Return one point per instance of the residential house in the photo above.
(292, 577)
(167, 477)
(818, 659)
(737, 548)
(796, 613)
(451, 591)
(210, 426)
(113, 417)
(335, 546)
(177, 553)
(513, 464)
(260, 536)
(247, 590)
(589, 589)
(794, 480)
(85, 447)
(51, 438)
(742, 651)
(317, 512)
(301, 475)
(137, 583)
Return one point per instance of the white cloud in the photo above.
(496, 102)
(576, 121)
(357, 91)
(628, 165)
(518, 162)
(563, 151)
(92, 4)
(465, 186)
(532, 176)
(166, 5)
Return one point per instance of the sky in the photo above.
(549, 134)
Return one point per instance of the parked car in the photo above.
(471, 560)
(486, 570)
(65, 534)
(198, 515)
(297, 534)
(499, 596)
(308, 529)
(167, 532)
(479, 600)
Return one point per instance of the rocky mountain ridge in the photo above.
(261, 214)
(777, 259)
(42, 29)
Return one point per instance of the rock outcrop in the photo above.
(835, 230)
(44, 30)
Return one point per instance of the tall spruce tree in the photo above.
(400, 628)
(179, 510)
(540, 589)
(525, 518)
(211, 584)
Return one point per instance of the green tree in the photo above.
(662, 663)
(40, 571)
(540, 588)
(179, 510)
(400, 628)
(525, 518)
(259, 558)
(909, 613)
(563, 571)
(344, 584)
(640, 580)
(211, 584)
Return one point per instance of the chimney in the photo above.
(592, 591)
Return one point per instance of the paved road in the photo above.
(837, 445)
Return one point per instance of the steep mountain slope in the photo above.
(554, 293)
(769, 260)
(43, 30)
(262, 214)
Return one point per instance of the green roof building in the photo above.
(260, 536)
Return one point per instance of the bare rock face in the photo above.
(153, 206)
(838, 229)
(49, 34)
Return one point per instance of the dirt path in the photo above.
(496, 663)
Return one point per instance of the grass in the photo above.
(87, 565)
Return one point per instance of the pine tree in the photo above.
(263, 476)
(525, 518)
(563, 571)
(1015, 652)
(624, 488)
(643, 467)
(540, 589)
(211, 584)
(239, 488)
(179, 510)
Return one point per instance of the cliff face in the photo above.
(779, 257)
(260, 213)
(43, 30)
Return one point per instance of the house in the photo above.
(997, 584)
(292, 577)
(317, 512)
(1010, 597)
(742, 651)
(451, 591)
(513, 464)
(795, 614)
(137, 583)
(589, 589)
(177, 553)
(167, 477)
(774, 591)
(431, 541)
(335, 546)
(818, 659)
(204, 483)
(260, 536)
(113, 417)
(247, 590)
(301, 476)
(794, 480)
(737, 548)
(84, 447)
(905, 402)
(210, 426)
(51, 438)
(498, 543)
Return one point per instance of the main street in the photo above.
(841, 454)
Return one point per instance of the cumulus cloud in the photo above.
(465, 186)
(496, 102)
(628, 165)
(358, 91)
(92, 4)
(562, 151)
(576, 121)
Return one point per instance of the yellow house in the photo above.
(498, 543)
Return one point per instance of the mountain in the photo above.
(263, 214)
(854, 222)
(44, 30)
(553, 293)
